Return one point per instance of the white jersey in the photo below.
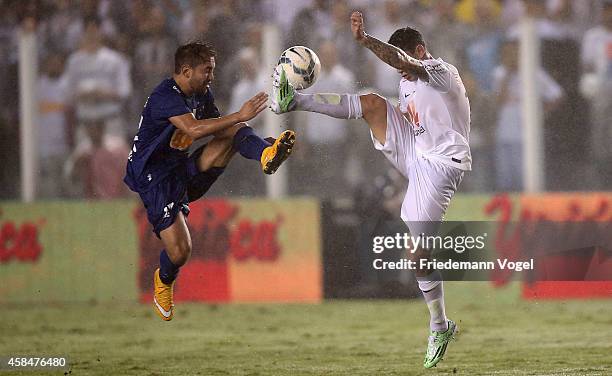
(439, 113)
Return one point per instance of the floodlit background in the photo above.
(75, 243)
(334, 158)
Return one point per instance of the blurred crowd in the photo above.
(99, 59)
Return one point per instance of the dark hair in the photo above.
(192, 55)
(407, 39)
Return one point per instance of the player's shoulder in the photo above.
(165, 92)
(438, 66)
(167, 88)
(443, 77)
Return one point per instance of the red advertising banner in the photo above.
(582, 265)
(578, 207)
(243, 251)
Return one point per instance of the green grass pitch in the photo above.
(500, 335)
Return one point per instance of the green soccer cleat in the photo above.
(438, 341)
(283, 93)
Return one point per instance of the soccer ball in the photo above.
(301, 65)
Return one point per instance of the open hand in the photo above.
(357, 27)
(253, 106)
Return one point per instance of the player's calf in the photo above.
(179, 251)
(163, 283)
(416, 256)
(371, 107)
(177, 242)
(431, 285)
(285, 99)
(442, 329)
(249, 144)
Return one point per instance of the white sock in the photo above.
(433, 292)
(341, 106)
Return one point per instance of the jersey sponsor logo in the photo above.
(414, 119)
(413, 114)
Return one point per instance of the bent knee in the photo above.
(374, 109)
(372, 102)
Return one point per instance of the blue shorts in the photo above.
(174, 193)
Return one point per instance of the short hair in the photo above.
(192, 55)
(407, 39)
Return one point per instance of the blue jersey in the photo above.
(161, 149)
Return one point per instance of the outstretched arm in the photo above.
(202, 128)
(390, 54)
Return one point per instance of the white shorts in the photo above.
(431, 184)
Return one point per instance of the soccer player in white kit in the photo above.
(426, 138)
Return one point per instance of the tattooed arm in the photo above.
(395, 57)
(391, 55)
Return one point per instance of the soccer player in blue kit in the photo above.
(180, 110)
